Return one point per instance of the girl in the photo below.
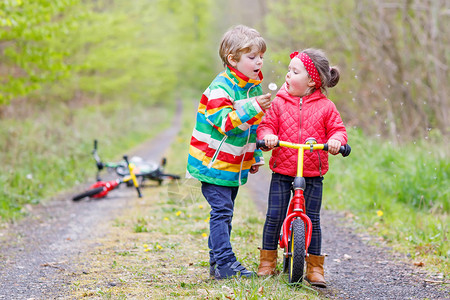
(299, 111)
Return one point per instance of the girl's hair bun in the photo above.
(334, 77)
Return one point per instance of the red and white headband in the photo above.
(309, 66)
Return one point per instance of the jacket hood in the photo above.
(283, 94)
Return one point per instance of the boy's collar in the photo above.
(242, 79)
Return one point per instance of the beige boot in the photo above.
(267, 262)
(314, 270)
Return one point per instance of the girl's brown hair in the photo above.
(328, 75)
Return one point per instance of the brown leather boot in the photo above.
(267, 262)
(314, 270)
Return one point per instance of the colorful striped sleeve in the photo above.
(259, 159)
(222, 115)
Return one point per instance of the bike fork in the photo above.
(286, 229)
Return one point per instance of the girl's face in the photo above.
(250, 63)
(298, 81)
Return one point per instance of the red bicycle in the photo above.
(101, 188)
(295, 236)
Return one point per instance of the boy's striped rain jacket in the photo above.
(222, 148)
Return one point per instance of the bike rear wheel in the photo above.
(88, 193)
(297, 251)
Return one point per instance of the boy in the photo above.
(222, 149)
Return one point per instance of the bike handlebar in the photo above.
(98, 161)
(344, 150)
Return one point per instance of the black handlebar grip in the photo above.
(345, 150)
(99, 163)
(260, 144)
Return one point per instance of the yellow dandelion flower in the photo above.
(200, 206)
(178, 213)
(159, 246)
(207, 220)
(145, 246)
(379, 213)
(166, 219)
(146, 250)
(204, 235)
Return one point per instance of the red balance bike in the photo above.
(296, 232)
(101, 188)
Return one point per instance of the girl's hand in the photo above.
(254, 169)
(271, 140)
(333, 146)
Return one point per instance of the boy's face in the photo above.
(250, 63)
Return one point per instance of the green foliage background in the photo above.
(110, 50)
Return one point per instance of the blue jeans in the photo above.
(279, 196)
(221, 199)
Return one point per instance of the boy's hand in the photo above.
(254, 169)
(333, 146)
(271, 140)
(264, 101)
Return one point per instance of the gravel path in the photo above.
(36, 255)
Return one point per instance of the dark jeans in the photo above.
(221, 199)
(279, 196)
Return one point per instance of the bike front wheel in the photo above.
(297, 251)
(88, 193)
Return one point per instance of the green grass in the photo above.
(401, 193)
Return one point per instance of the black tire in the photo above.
(88, 193)
(297, 251)
(169, 177)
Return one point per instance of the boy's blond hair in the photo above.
(239, 40)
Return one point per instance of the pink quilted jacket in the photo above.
(295, 119)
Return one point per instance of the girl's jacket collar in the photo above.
(240, 79)
(283, 94)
